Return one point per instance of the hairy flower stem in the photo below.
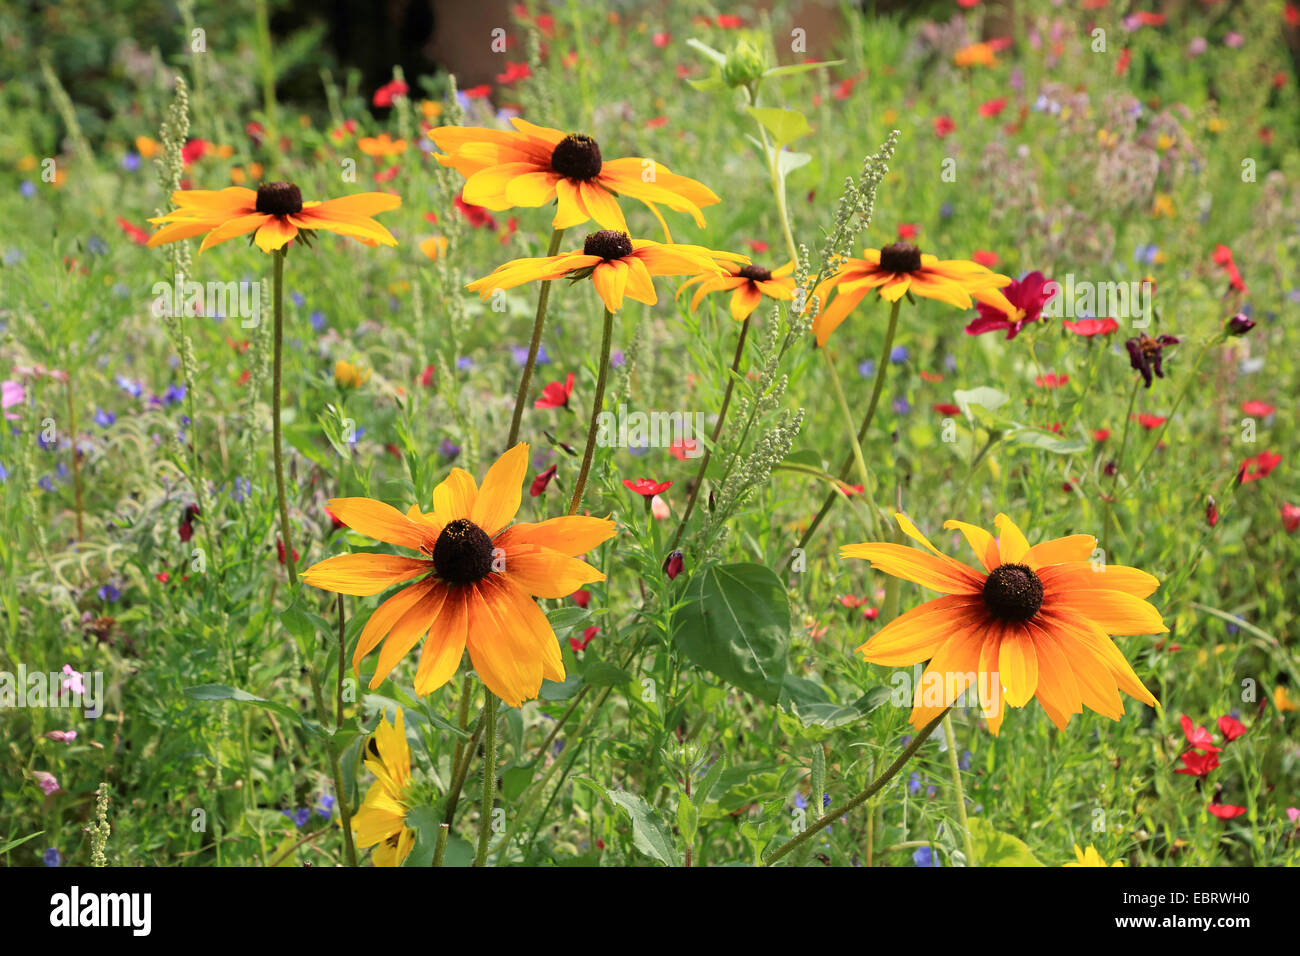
(345, 809)
(876, 388)
(336, 768)
(489, 778)
(959, 792)
(830, 816)
(539, 323)
(597, 402)
(717, 430)
(277, 441)
(76, 461)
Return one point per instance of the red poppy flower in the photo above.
(943, 126)
(1259, 466)
(1091, 327)
(580, 644)
(1101, 434)
(541, 481)
(426, 377)
(556, 395)
(514, 72)
(1197, 737)
(477, 215)
(133, 232)
(1150, 421)
(944, 408)
(1028, 295)
(1231, 727)
(908, 230)
(991, 108)
(385, 94)
(163, 576)
(1258, 409)
(729, 21)
(647, 488)
(279, 551)
(1051, 380)
(1226, 811)
(984, 258)
(1198, 765)
(1290, 516)
(757, 245)
(684, 449)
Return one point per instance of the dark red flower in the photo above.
(1231, 727)
(1290, 516)
(194, 150)
(1211, 512)
(1028, 295)
(426, 377)
(541, 481)
(478, 216)
(279, 551)
(581, 598)
(674, 564)
(944, 408)
(647, 488)
(1146, 355)
(556, 394)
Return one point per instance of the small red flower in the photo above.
(661, 40)
(1258, 409)
(684, 449)
(1226, 811)
(480, 92)
(931, 376)
(1051, 380)
(852, 600)
(163, 576)
(514, 72)
(556, 394)
(729, 21)
(133, 232)
(581, 598)
(908, 230)
(1198, 765)
(580, 644)
(1211, 512)
(385, 94)
(279, 551)
(1121, 65)
(674, 564)
(1290, 516)
(1101, 434)
(1259, 466)
(1091, 327)
(1150, 421)
(426, 377)
(984, 258)
(1197, 737)
(1231, 727)
(478, 216)
(991, 108)
(944, 408)
(871, 613)
(943, 126)
(334, 522)
(647, 488)
(541, 481)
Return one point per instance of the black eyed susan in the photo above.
(749, 283)
(900, 268)
(617, 265)
(381, 820)
(1035, 622)
(274, 213)
(533, 165)
(475, 580)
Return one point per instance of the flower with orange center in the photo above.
(617, 265)
(1034, 623)
(476, 581)
(275, 213)
(898, 269)
(533, 165)
(749, 282)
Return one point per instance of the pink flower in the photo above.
(1029, 295)
(73, 680)
(1091, 327)
(47, 781)
(11, 394)
(61, 736)
(659, 508)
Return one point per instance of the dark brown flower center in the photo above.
(608, 244)
(755, 273)
(462, 553)
(900, 257)
(576, 157)
(279, 199)
(1013, 592)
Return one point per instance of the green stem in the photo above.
(1191, 378)
(1119, 464)
(875, 787)
(489, 778)
(596, 404)
(539, 323)
(959, 793)
(345, 809)
(717, 430)
(856, 446)
(278, 298)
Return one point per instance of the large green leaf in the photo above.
(650, 834)
(736, 626)
(785, 126)
(223, 692)
(993, 848)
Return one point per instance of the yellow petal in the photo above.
(363, 574)
(498, 499)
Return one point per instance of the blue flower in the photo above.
(243, 489)
(616, 360)
(131, 386)
(299, 816)
(898, 354)
(464, 363)
(103, 418)
(325, 807)
(902, 406)
(28, 188)
(925, 856)
(867, 368)
(297, 298)
(520, 353)
(964, 760)
(174, 394)
(914, 783)
(131, 162)
(945, 211)
(53, 857)
(46, 483)
(317, 319)
(3, 472)
(97, 246)
(108, 593)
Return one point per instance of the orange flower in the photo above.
(749, 282)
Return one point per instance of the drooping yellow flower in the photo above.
(1034, 623)
(348, 375)
(749, 282)
(477, 580)
(900, 268)
(1090, 857)
(274, 213)
(617, 264)
(381, 820)
(535, 165)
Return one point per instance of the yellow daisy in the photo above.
(1034, 623)
(1090, 857)
(533, 165)
(381, 820)
(900, 268)
(617, 265)
(749, 284)
(275, 213)
(475, 580)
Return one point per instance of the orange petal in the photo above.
(386, 615)
(406, 633)
(444, 645)
(571, 535)
(374, 519)
(274, 234)
(363, 574)
(938, 574)
(454, 497)
(498, 499)
(1012, 545)
(545, 573)
(1076, 547)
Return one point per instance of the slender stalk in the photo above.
(830, 816)
(959, 793)
(1191, 378)
(1119, 464)
(717, 430)
(539, 322)
(489, 778)
(277, 441)
(856, 446)
(876, 388)
(440, 846)
(76, 460)
(596, 403)
(336, 768)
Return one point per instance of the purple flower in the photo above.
(104, 419)
(465, 363)
(326, 806)
(131, 161)
(61, 736)
(47, 781)
(867, 368)
(297, 298)
(448, 449)
(108, 593)
(317, 319)
(243, 489)
(52, 857)
(174, 394)
(131, 386)
(925, 856)
(914, 784)
(898, 354)
(28, 188)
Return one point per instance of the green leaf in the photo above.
(425, 822)
(555, 691)
(605, 674)
(224, 692)
(795, 68)
(831, 715)
(1048, 441)
(716, 56)
(650, 834)
(20, 841)
(787, 161)
(988, 399)
(785, 125)
(565, 619)
(993, 848)
(736, 626)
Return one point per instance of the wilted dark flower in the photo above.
(674, 564)
(1146, 355)
(1239, 324)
